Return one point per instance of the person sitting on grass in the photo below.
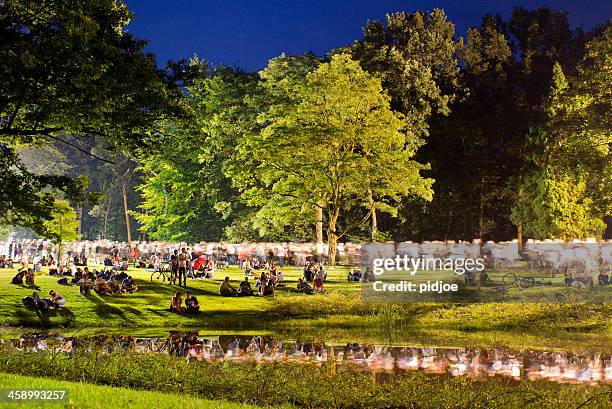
(53, 271)
(280, 278)
(191, 303)
(77, 276)
(56, 300)
(29, 278)
(226, 289)
(115, 283)
(245, 287)
(85, 285)
(355, 275)
(268, 287)
(18, 279)
(304, 287)
(318, 281)
(101, 287)
(176, 303)
(128, 285)
(319, 270)
(603, 279)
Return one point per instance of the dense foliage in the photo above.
(68, 70)
(409, 133)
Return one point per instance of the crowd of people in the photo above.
(181, 264)
(104, 282)
(290, 253)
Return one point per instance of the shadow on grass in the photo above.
(38, 318)
(103, 309)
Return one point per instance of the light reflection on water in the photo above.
(479, 363)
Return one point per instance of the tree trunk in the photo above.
(373, 215)
(374, 225)
(106, 214)
(520, 239)
(520, 227)
(79, 220)
(127, 216)
(481, 221)
(319, 224)
(332, 236)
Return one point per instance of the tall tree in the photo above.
(319, 150)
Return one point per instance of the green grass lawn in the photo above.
(83, 395)
(337, 314)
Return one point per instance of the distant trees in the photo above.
(62, 225)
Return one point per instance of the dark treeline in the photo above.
(409, 133)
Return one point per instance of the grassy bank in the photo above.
(84, 395)
(303, 385)
(339, 313)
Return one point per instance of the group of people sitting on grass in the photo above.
(265, 282)
(28, 275)
(6, 262)
(314, 277)
(602, 279)
(226, 289)
(192, 306)
(106, 282)
(103, 282)
(116, 263)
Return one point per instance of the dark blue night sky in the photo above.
(246, 33)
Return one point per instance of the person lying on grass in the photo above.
(176, 303)
(304, 287)
(191, 303)
(226, 289)
(55, 301)
(128, 285)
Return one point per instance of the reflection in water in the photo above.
(557, 366)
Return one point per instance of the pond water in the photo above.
(481, 363)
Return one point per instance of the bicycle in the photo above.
(518, 281)
(160, 275)
(580, 285)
